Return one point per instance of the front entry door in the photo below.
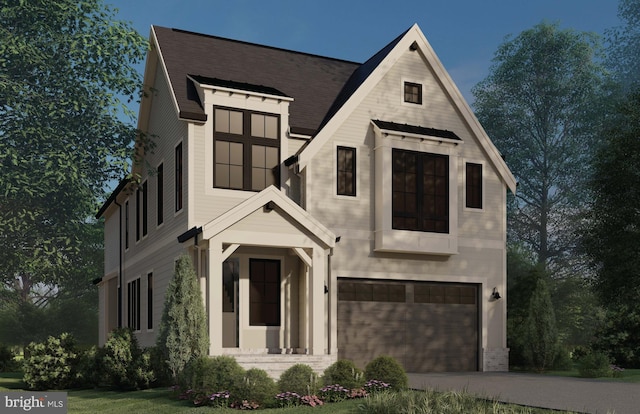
(230, 276)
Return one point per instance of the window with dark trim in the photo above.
(126, 224)
(473, 185)
(145, 208)
(246, 150)
(413, 93)
(371, 292)
(346, 174)
(133, 304)
(160, 195)
(178, 177)
(150, 301)
(141, 211)
(420, 188)
(264, 294)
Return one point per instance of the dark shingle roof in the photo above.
(313, 81)
(415, 129)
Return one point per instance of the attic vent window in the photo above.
(413, 93)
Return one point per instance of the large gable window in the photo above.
(473, 187)
(246, 150)
(420, 191)
(346, 171)
(413, 93)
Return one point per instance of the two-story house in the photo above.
(332, 209)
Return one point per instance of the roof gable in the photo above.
(312, 80)
(377, 68)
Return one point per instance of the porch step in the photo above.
(276, 364)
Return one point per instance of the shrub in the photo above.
(183, 328)
(299, 379)
(162, 374)
(594, 365)
(387, 369)
(87, 369)
(50, 364)
(212, 375)
(123, 364)
(540, 334)
(256, 387)
(7, 359)
(345, 373)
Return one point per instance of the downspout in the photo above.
(121, 254)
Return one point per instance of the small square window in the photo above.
(413, 93)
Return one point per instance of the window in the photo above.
(141, 211)
(246, 150)
(126, 224)
(178, 177)
(150, 301)
(264, 296)
(420, 191)
(160, 195)
(133, 308)
(413, 93)
(371, 292)
(145, 209)
(346, 173)
(473, 194)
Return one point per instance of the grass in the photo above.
(158, 401)
(628, 375)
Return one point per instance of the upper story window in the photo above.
(413, 93)
(178, 177)
(420, 186)
(141, 211)
(473, 187)
(160, 195)
(246, 150)
(346, 171)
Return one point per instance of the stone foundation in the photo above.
(495, 359)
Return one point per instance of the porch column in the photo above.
(316, 302)
(214, 306)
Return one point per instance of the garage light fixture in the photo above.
(495, 295)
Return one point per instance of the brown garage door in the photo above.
(427, 326)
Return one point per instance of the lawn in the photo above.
(628, 375)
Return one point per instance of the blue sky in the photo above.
(464, 33)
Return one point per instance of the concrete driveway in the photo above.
(544, 391)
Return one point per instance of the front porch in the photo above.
(275, 364)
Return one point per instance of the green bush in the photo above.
(300, 379)
(51, 364)
(345, 373)
(123, 364)
(389, 370)
(8, 361)
(256, 387)
(594, 365)
(212, 374)
(86, 372)
(160, 368)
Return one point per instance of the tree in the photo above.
(539, 105)
(183, 328)
(65, 68)
(540, 334)
(623, 45)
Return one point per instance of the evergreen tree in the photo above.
(183, 329)
(540, 333)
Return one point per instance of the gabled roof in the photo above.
(312, 80)
(416, 129)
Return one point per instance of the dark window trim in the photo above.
(178, 155)
(440, 220)
(133, 307)
(348, 189)
(126, 224)
(410, 96)
(247, 141)
(145, 208)
(150, 300)
(473, 187)
(160, 195)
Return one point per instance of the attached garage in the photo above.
(426, 326)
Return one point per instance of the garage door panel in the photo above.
(438, 333)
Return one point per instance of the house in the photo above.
(332, 209)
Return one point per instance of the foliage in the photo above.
(387, 369)
(208, 375)
(299, 379)
(540, 334)
(63, 67)
(619, 336)
(540, 104)
(122, 363)
(8, 361)
(50, 364)
(345, 373)
(257, 387)
(623, 45)
(594, 365)
(183, 328)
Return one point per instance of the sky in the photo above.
(464, 33)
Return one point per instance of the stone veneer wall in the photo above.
(495, 359)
